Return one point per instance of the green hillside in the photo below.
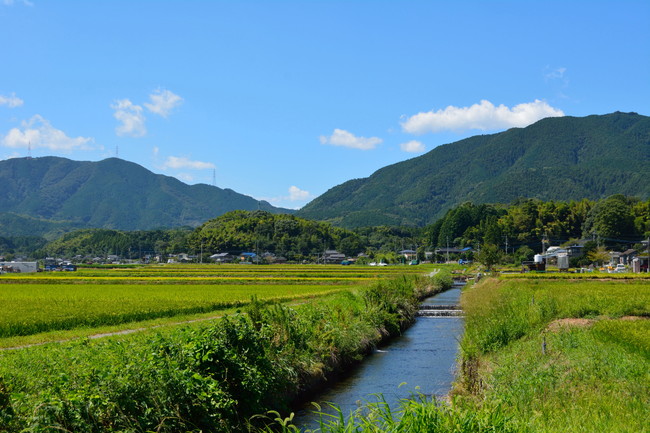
(562, 158)
(42, 195)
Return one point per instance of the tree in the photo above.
(489, 255)
(611, 218)
(523, 253)
(599, 255)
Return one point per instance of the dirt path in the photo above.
(113, 333)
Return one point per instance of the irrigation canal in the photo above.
(424, 359)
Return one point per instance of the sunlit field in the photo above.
(93, 297)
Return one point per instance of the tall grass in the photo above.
(590, 376)
(498, 311)
(416, 414)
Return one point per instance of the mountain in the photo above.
(560, 158)
(42, 195)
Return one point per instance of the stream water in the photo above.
(422, 360)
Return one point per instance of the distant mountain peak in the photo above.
(112, 193)
(560, 158)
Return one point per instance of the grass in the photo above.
(539, 355)
(501, 311)
(416, 414)
(596, 275)
(50, 302)
(589, 373)
(33, 308)
(208, 376)
(581, 382)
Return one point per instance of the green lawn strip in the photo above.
(225, 271)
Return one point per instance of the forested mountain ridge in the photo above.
(560, 158)
(113, 193)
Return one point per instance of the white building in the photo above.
(22, 267)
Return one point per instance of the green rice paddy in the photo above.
(96, 297)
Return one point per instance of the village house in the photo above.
(222, 258)
(333, 256)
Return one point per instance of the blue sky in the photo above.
(283, 100)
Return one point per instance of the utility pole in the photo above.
(447, 249)
(506, 244)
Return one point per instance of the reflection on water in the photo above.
(423, 358)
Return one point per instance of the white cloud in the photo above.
(341, 137)
(483, 116)
(12, 2)
(11, 101)
(554, 74)
(412, 146)
(163, 102)
(130, 117)
(38, 132)
(297, 194)
(182, 162)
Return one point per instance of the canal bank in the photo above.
(420, 361)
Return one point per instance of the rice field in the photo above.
(95, 297)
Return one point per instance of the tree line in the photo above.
(519, 229)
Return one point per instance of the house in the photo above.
(248, 257)
(19, 267)
(446, 252)
(278, 260)
(222, 258)
(184, 257)
(333, 256)
(574, 250)
(409, 254)
(627, 256)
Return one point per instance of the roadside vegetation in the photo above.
(213, 375)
